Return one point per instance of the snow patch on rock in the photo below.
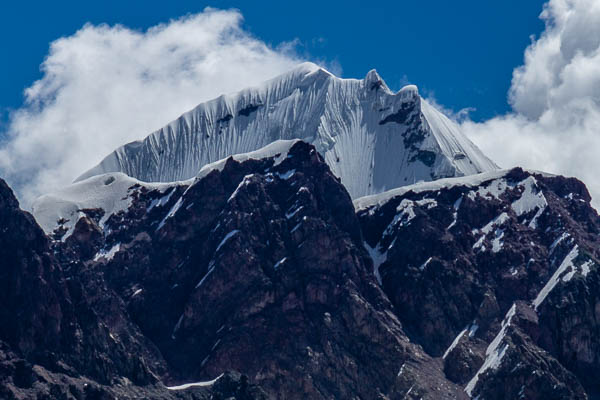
(195, 384)
(66, 204)
(108, 254)
(494, 352)
(567, 263)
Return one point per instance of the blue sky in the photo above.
(462, 53)
(531, 69)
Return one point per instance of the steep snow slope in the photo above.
(372, 138)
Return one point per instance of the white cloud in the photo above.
(555, 96)
(458, 116)
(107, 85)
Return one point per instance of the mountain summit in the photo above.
(372, 138)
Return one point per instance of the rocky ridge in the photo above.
(498, 275)
(257, 266)
(481, 286)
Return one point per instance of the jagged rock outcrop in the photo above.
(256, 265)
(483, 286)
(497, 274)
(55, 343)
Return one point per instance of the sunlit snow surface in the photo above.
(344, 118)
(111, 192)
(493, 187)
(494, 352)
(195, 384)
(108, 192)
(567, 266)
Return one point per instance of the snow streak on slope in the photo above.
(372, 138)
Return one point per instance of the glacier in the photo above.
(372, 138)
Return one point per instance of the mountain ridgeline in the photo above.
(213, 260)
(371, 138)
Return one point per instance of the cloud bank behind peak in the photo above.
(555, 97)
(105, 86)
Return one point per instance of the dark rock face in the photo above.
(260, 268)
(410, 114)
(29, 282)
(47, 329)
(488, 287)
(456, 258)
(256, 267)
(54, 344)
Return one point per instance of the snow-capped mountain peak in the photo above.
(372, 138)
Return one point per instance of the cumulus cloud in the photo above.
(555, 97)
(108, 85)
